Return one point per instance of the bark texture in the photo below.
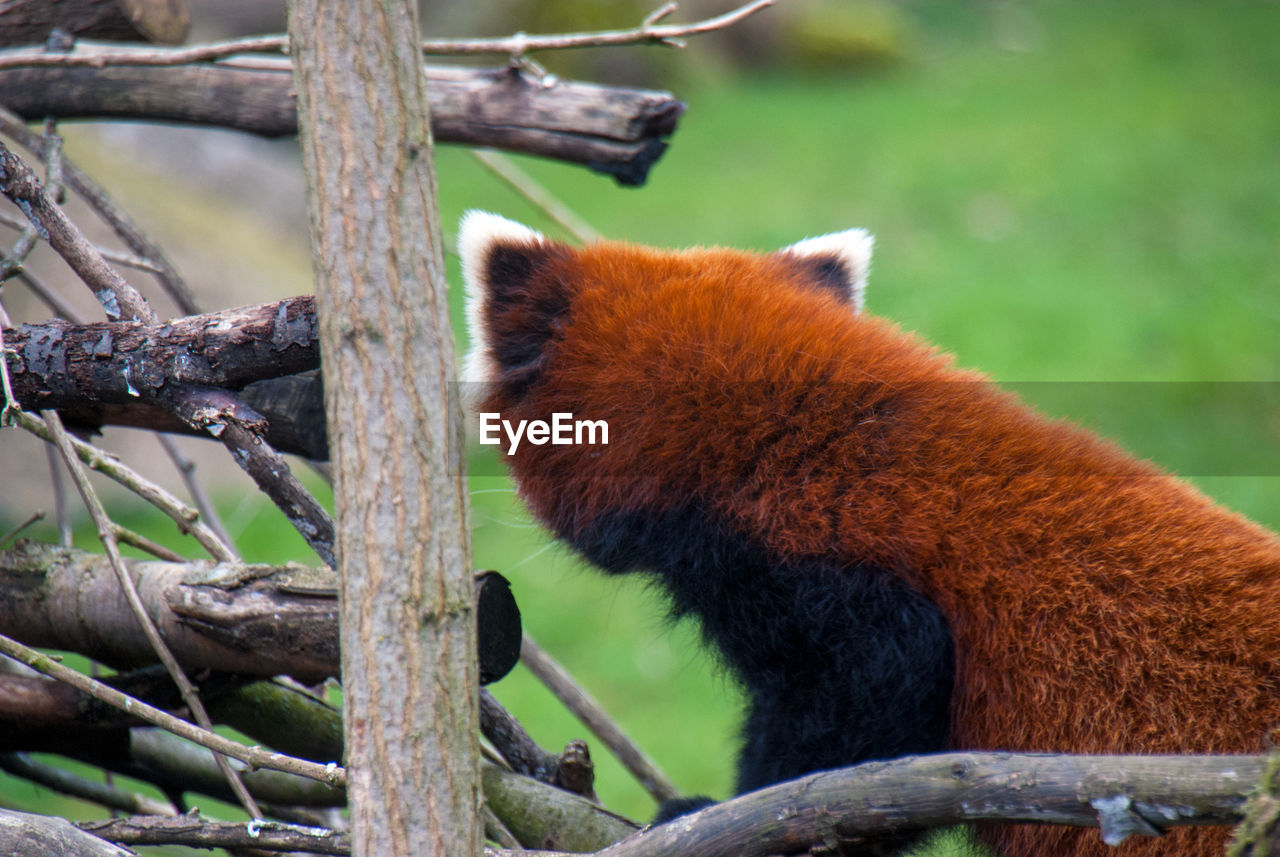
(408, 620)
(125, 373)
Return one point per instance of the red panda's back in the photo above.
(1095, 604)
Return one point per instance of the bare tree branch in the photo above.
(51, 150)
(118, 298)
(853, 807)
(187, 519)
(101, 56)
(47, 296)
(149, 255)
(542, 816)
(331, 774)
(524, 184)
(127, 260)
(185, 379)
(241, 430)
(196, 833)
(572, 770)
(178, 767)
(187, 472)
(33, 518)
(125, 374)
(613, 130)
(107, 535)
(648, 33)
(24, 834)
(55, 362)
(258, 620)
(248, 619)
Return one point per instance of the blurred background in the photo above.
(1081, 199)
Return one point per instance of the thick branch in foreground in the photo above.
(23, 834)
(119, 373)
(850, 807)
(252, 619)
(613, 130)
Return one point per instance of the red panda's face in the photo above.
(649, 342)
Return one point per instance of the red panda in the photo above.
(891, 554)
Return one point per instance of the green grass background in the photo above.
(1091, 215)
(1080, 198)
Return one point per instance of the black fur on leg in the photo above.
(842, 664)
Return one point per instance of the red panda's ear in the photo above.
(839, 262)
(512, 305)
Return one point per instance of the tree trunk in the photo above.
(407, 620)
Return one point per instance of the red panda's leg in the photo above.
(841, 664)
(852, 666)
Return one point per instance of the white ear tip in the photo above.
(480, 230)
(478, 233)
(854, 246)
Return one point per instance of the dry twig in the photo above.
(148, 255)
(51, 149)
(197, 833)
(107, 535)
(525, 185)
(187, 472)
(47, 296)
(187, 518)
(98, 55)
(34, 517)
(128, 260)
(254, 757)
(118, 298)
(650, 32)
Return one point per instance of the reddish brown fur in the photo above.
(1097, 604)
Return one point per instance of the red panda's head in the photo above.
(657, 344)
